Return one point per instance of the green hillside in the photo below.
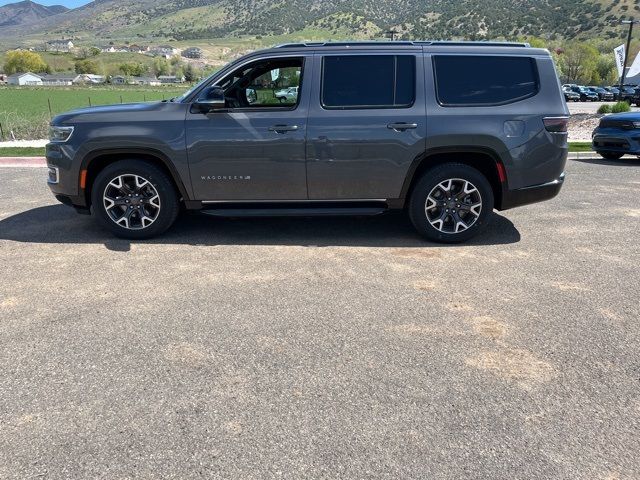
(203, 19)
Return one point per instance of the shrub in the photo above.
(620, 107)
(604, 109)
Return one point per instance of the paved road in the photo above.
(323, 348)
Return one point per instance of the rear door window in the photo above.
(368, 81)
(466, 80)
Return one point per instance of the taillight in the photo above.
(556, 124)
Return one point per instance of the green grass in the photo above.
(26, 111)
(579, 147)
(21, 152)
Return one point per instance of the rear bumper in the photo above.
(533, 194)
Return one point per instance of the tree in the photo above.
(19, 61)
(578, 63)
(86, 66)
(161, 66)
(131, 69)
(190, 73)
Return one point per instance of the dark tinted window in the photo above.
(368, 81)
(478, 80)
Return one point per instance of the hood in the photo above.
(629, 116)
(105, 111)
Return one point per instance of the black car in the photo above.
(603, 95)
(585, 94)
(630, 94)
(570, 95)
(615, 91)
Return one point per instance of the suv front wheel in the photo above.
(450, 203)
(134, 199)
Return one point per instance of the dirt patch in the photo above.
(233, 427)
(186, 354)
(459, 307)
(564, 286)
(9, 302)
(488, 327)
(425, 285)
(517, 365)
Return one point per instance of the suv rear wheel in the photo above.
(134, 199)
(450, 203)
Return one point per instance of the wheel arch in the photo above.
(94, 162)
(482, 159)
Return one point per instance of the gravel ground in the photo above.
(323, 348)
(584, 119)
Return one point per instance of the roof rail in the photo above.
(451, 43)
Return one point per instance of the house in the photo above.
(193, 52)
(166, 51)
(89, 79)
(58, 79)
(165, 79)
(145, 81)
(59, 46)
(138, 48)
(23, 79)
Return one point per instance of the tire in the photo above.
(429, 188)
(153, 205)
(611, 155)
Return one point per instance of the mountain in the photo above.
(21, 13)
(198, 19)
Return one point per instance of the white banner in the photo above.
(635, 67)
(619, 53)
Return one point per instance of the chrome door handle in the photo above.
(400, 126)
(283, 128)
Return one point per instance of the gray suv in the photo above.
(447, 131)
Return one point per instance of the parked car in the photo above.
(287, 94)
(630, 94)
(570, 95)
(617, 135)
(614, 90)
(421, 135)
(585, 94)
(603, 95)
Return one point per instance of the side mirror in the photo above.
(211, 98)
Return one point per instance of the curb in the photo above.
(23, 162)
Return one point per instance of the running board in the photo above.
(293, 212)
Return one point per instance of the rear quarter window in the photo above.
(476, 80)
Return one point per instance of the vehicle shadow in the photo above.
(60, 224)
(623, 162)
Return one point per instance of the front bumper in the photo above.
(532, 194)
(617, 141)
(64, 184)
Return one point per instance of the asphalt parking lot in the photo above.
(323, 348)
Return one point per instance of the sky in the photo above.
(66, 3)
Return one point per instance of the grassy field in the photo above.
(27, 111)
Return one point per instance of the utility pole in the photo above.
(631, 22)
(392, 34)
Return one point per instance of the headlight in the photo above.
(60, 134)
(636, 124)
